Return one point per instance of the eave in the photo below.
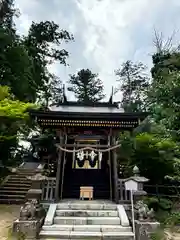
(51, 119)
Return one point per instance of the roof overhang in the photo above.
(57, 119)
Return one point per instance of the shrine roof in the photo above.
(86, 109)
(77, 109)
(75, 114)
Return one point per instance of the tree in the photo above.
(24, 61)
(163, 97)
(7, 12)
(41, 37)
(52, 92)
(150, 153)
(13, 117)
(133, 83)
(16, 67)
(86, 86)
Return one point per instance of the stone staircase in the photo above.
(86, 220)
(14, 189)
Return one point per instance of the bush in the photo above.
(152, 202)
(159, 204)
(173, 219)
(3, 173)
(165, 204)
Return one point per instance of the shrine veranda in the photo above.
(87, 144)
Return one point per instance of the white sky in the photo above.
(106, 32)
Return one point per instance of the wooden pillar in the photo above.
(63, 168)
(110, 167)
(115, 173)
(58, 173)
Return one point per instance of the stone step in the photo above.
(85, 235)
(8, 188)
(12, 192)
(86, 205)
(19, 181)
(87, 228)
(87, 220)
(17, 184)
(87, 213)
(17, 177)
(7, 196)
(26, 173)
(12, 201)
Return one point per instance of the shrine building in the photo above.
(87, 144)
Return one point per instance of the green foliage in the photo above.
(165, 204)
(86, 86)
(159, 203)
(14, 116)
(158, 235)
(163, 97)
(150, 152)
(7, 12)
(24, 75)
(133, 82)
(12, 109)
(41, 37)
(24, 61)
(152, 202)
(173, 219)
(16, 66)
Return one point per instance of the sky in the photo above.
(106, 32)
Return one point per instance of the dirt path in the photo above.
(8, 213)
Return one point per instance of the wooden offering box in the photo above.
(86, 192)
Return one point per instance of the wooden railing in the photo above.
(160, 191)
(171, 191)
(48, 194)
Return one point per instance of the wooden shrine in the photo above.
(86, 143)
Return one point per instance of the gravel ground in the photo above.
(8, 213)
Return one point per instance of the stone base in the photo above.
(28, 228)
(34, 194)
(144, 229)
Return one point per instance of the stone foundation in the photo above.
(29, 229)
(144, 229)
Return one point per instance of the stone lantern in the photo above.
(136, 184)
(35, 191)
(144, 224)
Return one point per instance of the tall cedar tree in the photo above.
(164, 91)
(7, 12)
(86, 86)
(133, 82)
